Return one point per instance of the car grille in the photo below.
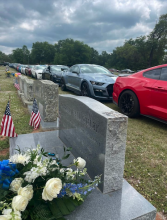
(98, 93)
(110, 89)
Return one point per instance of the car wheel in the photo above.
(129, 104)
(85, 89)
(63, 85)
(35, 76)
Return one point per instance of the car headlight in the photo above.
(96, 83)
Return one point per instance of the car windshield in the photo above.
(40, 67)
(94, 69)
(58, 68)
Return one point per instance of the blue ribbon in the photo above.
(7, 172)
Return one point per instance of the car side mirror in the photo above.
(62, 69)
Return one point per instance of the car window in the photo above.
(152, 74)
(89, 68)
(76, 69)
(71, 68)
(163, 74)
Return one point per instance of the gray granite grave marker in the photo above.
(28, 89)
(46, 94)
(96, 133)
(21, 83)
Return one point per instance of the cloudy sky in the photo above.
(102, 24)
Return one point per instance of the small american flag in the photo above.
(7, 126)
(16, 85)
(35, 116)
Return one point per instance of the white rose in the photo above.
(3, 218)
(80, 163)
(16, 184)
(26, 192)
(19, 203)
(52, 189)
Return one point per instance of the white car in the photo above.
(23, 69)
(37, 71)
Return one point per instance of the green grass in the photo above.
(20, 114)
(146, 158)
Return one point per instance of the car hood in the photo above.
(104, 78)
(39, 71)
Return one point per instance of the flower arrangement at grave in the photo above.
(34, 186)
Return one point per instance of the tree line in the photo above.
(135, 54)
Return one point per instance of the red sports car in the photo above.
(144, 93)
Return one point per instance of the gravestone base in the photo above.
(46, 125)
(24, 100)
(122, 204)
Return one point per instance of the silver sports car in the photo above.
(89, 80)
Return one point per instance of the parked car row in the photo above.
(143, 92)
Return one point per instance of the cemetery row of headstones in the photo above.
(46, 94)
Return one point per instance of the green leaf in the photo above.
(55, 210)
(25, 214)
(65, 157)
(61, 205)
(69, 204)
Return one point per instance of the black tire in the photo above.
(63, 85)
(85, 89)
(35, 76)
(129, 104)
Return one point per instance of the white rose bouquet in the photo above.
(36, 186)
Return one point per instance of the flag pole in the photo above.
(9, 100)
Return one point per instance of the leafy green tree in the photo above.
(157, 41)
(4, 57)
(18, 55)
(70, 52)
(26, 54)
(42, 53)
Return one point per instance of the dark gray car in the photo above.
(54, 72)
(89, 80)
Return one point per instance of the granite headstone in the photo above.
(46, 94)
(21, 83)
(28, 89)
(96, 133)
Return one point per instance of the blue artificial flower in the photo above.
(7, 171)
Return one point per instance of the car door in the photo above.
(74, 78)
(149, 79)
(159, 96)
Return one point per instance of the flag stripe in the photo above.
(7, 126)
(16, 85)
(35, 116)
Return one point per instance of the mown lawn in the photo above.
(146, 158)
(146, 149)
(20, 114)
